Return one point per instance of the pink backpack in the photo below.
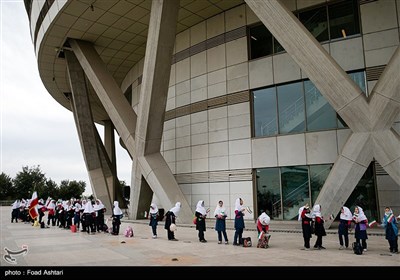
(129, 232)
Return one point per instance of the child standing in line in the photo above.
(220, 224)
(344, 225)
(390, 224)
(239, 222)
(361, 222)
(116, 218)
(306, 219)
(319, 227)
(153, 216)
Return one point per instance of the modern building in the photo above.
(280, 103)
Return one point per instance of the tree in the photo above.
(7, 190)
(27, 181)
(69, 189)
(49, 189)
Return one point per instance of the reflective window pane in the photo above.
(295, 190)
(359, 79)
(278, 47)
(260, 41)
(316, 22)
(320, 114)
(291, 108)
(343, 19)
(269, 192)
(318, 175)
(364, 195)
(265, 115)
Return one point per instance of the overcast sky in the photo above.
(34, 128)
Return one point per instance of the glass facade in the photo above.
(295, 107)
(281, 191)
(325, 23)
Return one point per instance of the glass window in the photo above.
(343, 19)
(364, 195)
(359, 79)
(265, 115)
(316, 22)
(295, 191)
(318, 175)
(269, 192)
(260, 41)
(320, 114)
(278, 47)
(291, 108)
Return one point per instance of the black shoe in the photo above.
(322, 247)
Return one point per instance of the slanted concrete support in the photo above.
(150, 165)
(88, 135)
(370, 122)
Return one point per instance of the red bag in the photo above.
(194, 220)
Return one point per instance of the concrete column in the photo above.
(150, 165)
(109, 93)
(86, 130)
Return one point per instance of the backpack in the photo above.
(263, 240)
(247, 242)
(357, 248)
(129, 232)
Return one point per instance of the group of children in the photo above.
(65, 213)
(313, 223)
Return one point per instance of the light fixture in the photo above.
(254, 38)
(344, 33)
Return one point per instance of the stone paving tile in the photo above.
(56, 247)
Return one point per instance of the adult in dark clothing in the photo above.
(201, 215)
(306, 220)
(319, 226)
(344, 225)
(170, 218)
(239, 222)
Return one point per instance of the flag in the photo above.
(33, 212)
(371, 224)
(390, 219)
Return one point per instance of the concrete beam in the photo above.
(385, 96)
(345, 174)
(331, 80)
(150, 165)
(109, 93)
(87, 132)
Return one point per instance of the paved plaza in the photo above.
(59, 247)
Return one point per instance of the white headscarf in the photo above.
(51, 204)
(117, 210)
(77, 207)
(264, 219)
(200, 207)
(360, 216)
(176, 208)
(99, 206)
(346, 215)
(16, 204)
(316, 211)
(220, 210)
(153, 208)
(238, 207)
(88, 208)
